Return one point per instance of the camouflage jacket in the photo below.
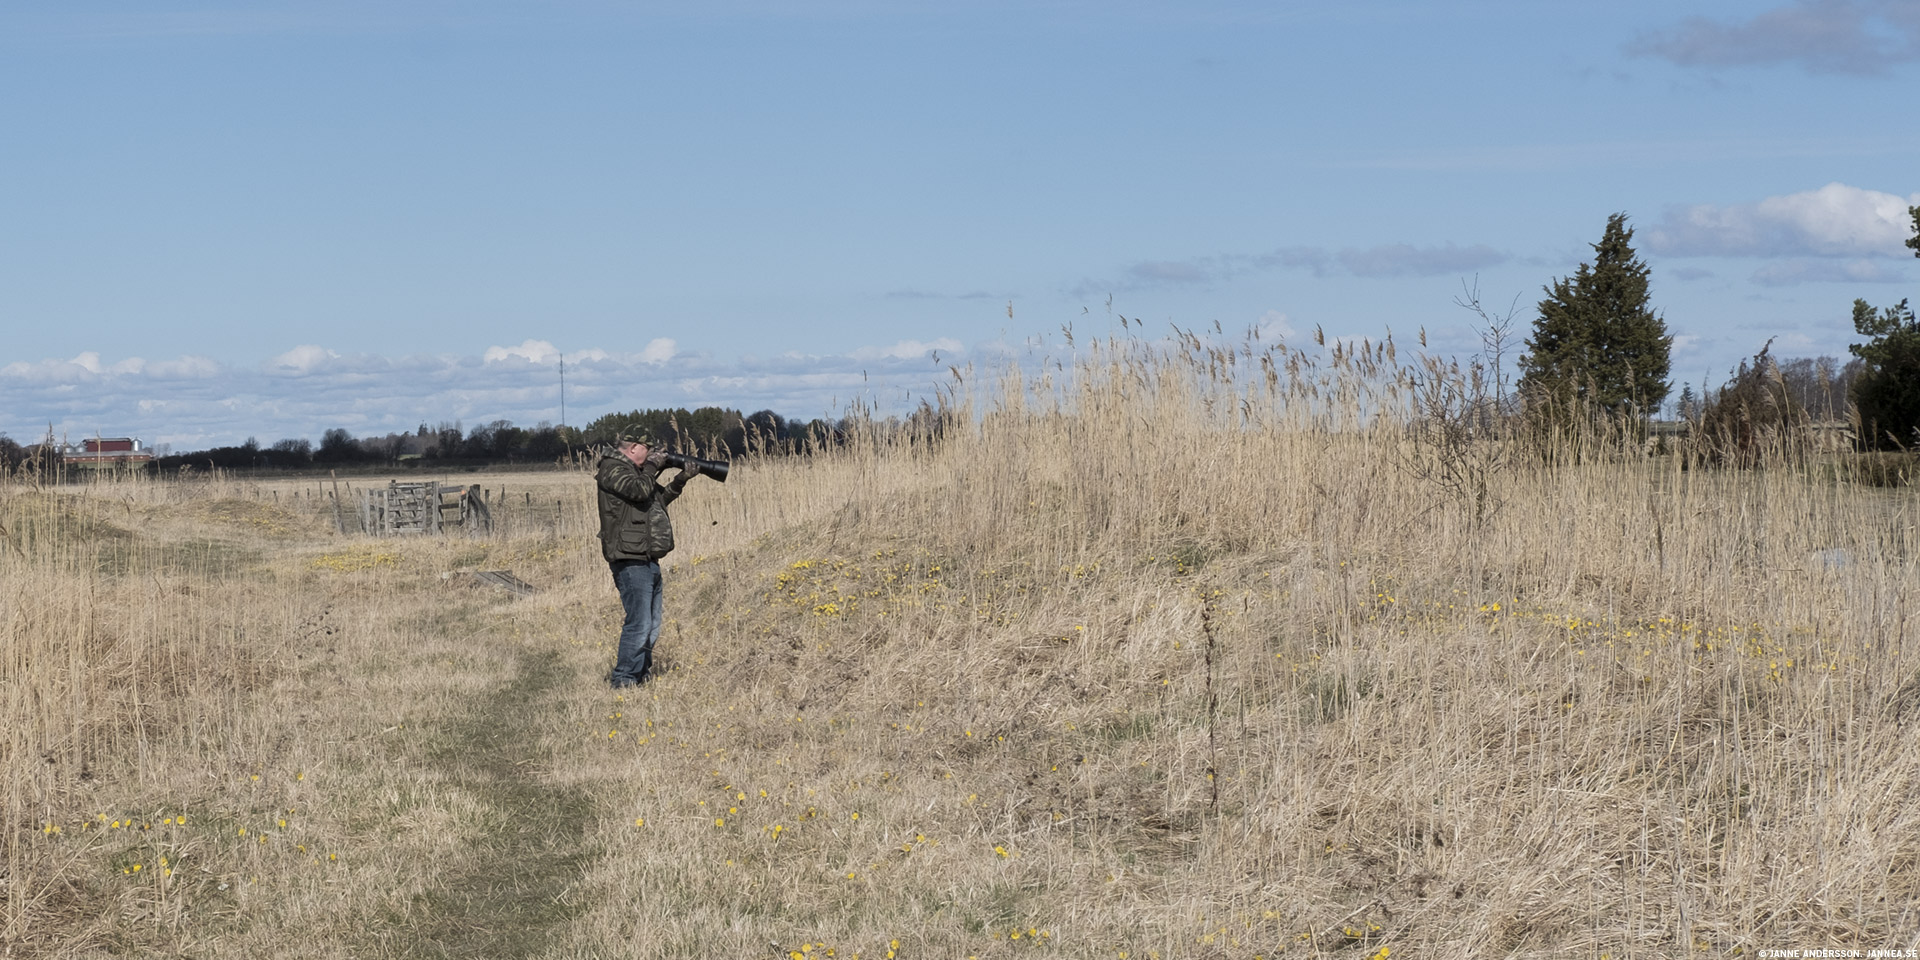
(633, 510)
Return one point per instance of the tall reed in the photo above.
(1200, 646)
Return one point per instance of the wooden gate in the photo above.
(423, 507)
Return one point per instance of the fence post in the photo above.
(339, 522)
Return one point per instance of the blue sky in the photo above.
(225, 220)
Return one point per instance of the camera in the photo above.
(716, 469)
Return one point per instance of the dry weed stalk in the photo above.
(1158, 648)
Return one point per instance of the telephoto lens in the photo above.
(716, 469)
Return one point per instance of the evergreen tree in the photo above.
(1596, 340)
(1689, 406)
(1887, 391)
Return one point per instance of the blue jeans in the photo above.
(639, 585)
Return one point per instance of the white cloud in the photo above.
(531, 351)
(1834, 221)
(82, 368)
(186, 368)
(544, 353)
(1407, 260)
(194, 402)
(1790, 272)
(303, 359)
(1822, 36)
(1273, 326)
(659, 350)
(907, 350)
(1385, 260)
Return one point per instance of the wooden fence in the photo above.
(423, 507)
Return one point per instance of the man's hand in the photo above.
(656, 458)
(686, 473)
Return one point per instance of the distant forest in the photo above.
(1818, 386)
(708, 431)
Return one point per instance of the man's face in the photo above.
(636, 452)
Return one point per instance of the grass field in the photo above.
(1160, 654)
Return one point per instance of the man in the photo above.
(635, 533)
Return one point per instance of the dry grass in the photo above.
(1161, 654)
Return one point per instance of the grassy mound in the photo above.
(1167, 654)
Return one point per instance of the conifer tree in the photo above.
(1596, 340)
(1689, 405)
(1886, 394)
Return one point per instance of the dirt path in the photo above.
(507, 895)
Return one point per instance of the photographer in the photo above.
(635, 533)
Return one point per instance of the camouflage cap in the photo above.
(634, 434)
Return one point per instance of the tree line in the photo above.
(1598, 348)
(707, 430)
